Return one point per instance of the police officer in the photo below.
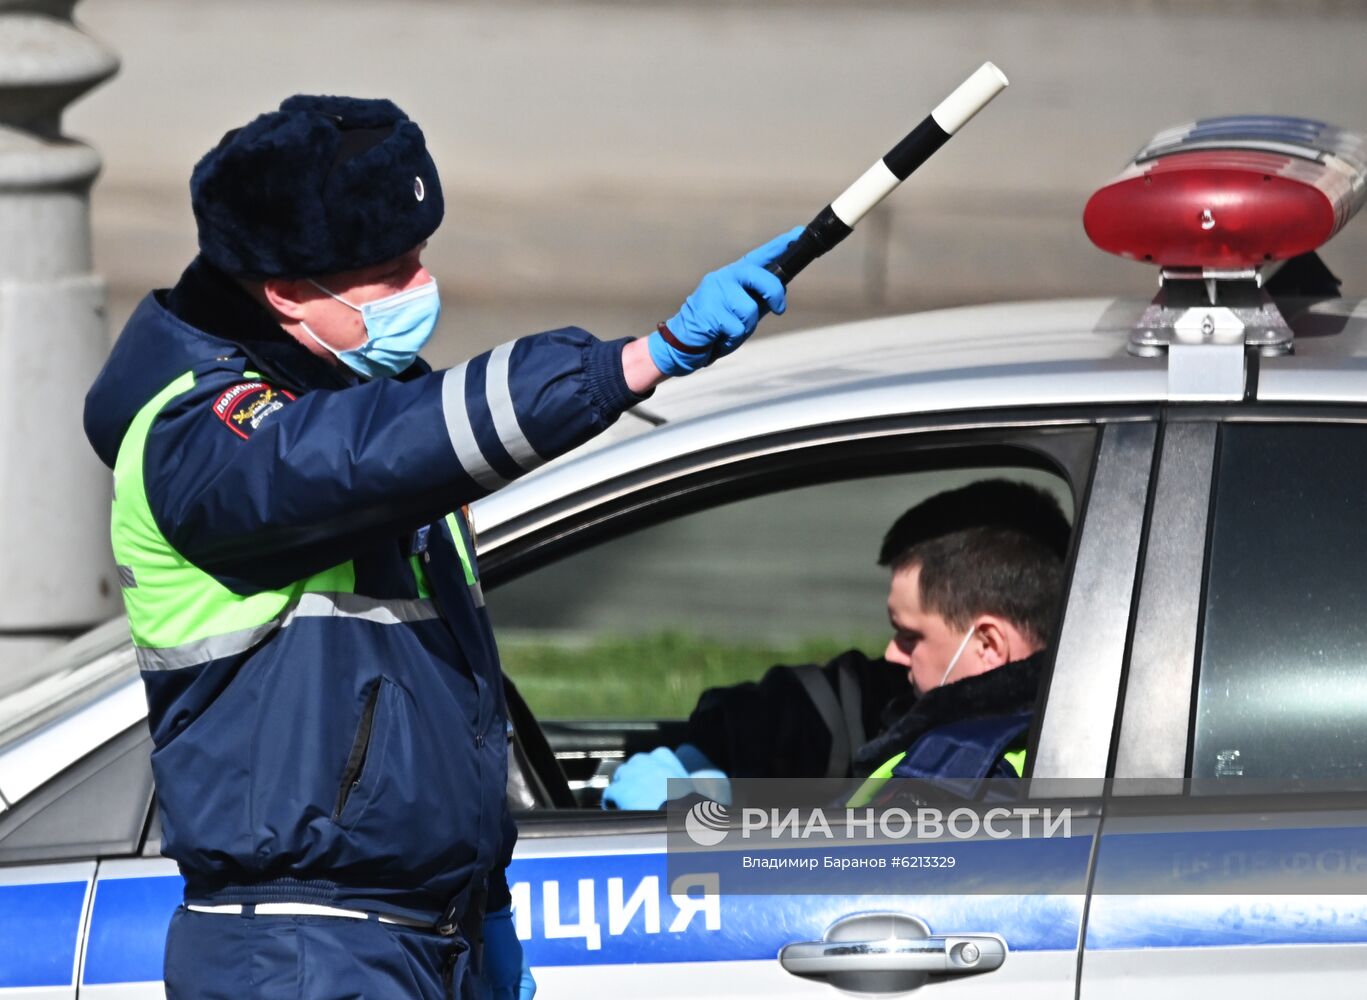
(324, 694)
(976, 576)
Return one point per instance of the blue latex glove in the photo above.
(504, 974)
(642, 782)
(720, 313)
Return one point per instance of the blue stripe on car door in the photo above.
(128, 929)
(39, 925)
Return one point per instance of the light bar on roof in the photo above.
(1231, 193)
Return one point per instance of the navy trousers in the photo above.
(215, 956)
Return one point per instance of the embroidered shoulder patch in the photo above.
(244, 406)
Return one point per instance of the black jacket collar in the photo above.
(1007, 690)
(209, 300)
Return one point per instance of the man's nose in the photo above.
(894, 654)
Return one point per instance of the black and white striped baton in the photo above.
(838, 219)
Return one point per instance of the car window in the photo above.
(1282, 688)
(639, 626)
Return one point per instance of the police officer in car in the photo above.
(324, 694)
(976, 574)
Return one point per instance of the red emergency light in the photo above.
(1231, 193)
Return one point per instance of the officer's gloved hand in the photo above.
(643, 781)
(720, 314)
(504, 974)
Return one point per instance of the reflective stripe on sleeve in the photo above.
(499, 394)
(312, 605)
(462, 432)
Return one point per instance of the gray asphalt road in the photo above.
(599, 157)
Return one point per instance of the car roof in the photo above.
(992, 341)
(995, 340)
(1018, 354)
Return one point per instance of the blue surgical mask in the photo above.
(397, 327)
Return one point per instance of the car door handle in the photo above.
(889, 953)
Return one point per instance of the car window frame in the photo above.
(575, 520)
(1152, 755)
(1072, 734)
(1152, 731)
(647, 496)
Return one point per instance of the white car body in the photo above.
(596, 913)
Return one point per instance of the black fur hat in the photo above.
(325, 184)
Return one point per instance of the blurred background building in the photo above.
(599, 157)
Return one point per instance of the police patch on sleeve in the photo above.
(244, 406)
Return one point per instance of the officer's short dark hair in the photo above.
(993, 547)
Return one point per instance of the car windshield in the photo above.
(69, 678)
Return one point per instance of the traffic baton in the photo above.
(838, 219)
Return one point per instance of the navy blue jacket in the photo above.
(770, 728)
(342, 758)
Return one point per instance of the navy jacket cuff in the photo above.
(606, 379)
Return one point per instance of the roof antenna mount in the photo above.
(1213, 307)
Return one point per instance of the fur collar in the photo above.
(1007, 690)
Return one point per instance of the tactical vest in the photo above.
(969, 750)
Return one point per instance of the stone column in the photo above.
(56, 572)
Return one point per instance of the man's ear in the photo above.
(995, 641)
(286, 296)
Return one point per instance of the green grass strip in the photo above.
(658, 676)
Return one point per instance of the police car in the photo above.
(1205, 714)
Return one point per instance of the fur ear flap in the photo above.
(325, 184)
